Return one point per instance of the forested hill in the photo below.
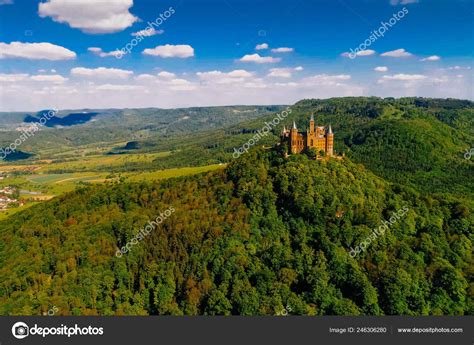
(413, 141)
(419, 142)
(264, 234)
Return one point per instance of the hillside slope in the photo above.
(265, 234)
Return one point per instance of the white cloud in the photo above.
(13, 77)
(239, 73)
(160, 77)
(166, 75)
(180, 85)
(366, 52)
(42, 70)
(170, 51)
(101, 72)
(402, 2)
(325, 79)
(101, 53)
(381, 69)
(100, 17)
(255, 84)
(149, 90)
(167, 81)
(328, 85)
(431, 58)
(436, 83)
(118, 87)
(219, 77)
(259, 59)
(145, 77)
(95, 50)
(299, 68)
(261, 46)
(148, 32)
(53, 78)
(397, 53)
(457, 68)
(6, 2)
(35, 51)
(282, 50)
(280, 72)
(290, 84)
(402, 77)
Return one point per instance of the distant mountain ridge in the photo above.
(68, 120)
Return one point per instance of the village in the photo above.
(9, 196)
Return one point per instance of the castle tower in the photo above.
(311, 125)
(310, 135)
(294, 138)
(330, 142)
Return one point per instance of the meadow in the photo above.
(43, 180)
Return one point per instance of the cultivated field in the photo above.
(42, 180)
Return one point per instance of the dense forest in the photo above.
(264, 234)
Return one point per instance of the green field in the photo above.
(168, 173)
(103, 161)
(43, 176)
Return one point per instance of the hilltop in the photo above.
(265, 233)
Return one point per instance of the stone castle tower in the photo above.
(316, 137)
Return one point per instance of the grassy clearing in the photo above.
(10, 211)
(103, 161)
(168, 173)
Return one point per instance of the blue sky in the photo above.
(54, 54)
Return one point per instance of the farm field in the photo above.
(86, 163)
(42, 180)
(103, 161)
(169, 173)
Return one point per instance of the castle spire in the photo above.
(312, 117)
(294, 125)
(330, 129)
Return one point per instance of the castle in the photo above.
(315, 137)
